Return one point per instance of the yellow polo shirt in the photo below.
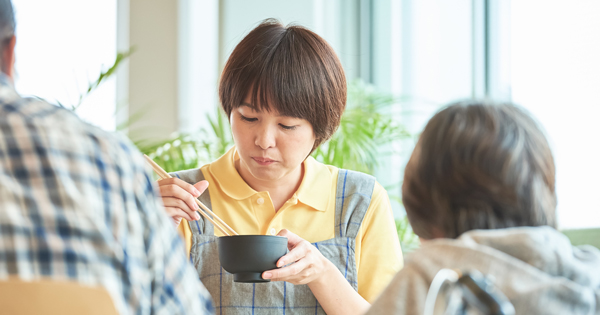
(310, 213)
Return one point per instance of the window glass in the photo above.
(555, 73)
(62, 46)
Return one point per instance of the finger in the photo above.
(286, 273)
(293, 239)
(294, 255)
(180, 204)
(175, 191)
(191, 189)
(178, 213)
(176, 221)
(201, 186)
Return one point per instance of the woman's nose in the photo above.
(265, 138)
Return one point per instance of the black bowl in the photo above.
(248, 256)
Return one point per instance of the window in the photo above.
(62, 46)
(542, 55)
(555, 73)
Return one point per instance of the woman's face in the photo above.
(270, 146)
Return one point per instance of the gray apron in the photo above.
(353, 197)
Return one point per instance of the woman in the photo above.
(479, 189)
(284, 91)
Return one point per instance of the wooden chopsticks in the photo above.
(164, 175)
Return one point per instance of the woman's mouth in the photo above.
(263, 161)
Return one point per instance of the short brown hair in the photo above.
(290, 70)
(479, 165)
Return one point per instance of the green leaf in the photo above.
(408, 240)
(121, 56)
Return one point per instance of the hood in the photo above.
(543, 248)
(536, 267)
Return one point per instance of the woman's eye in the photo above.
(248, 118)
(287, 127)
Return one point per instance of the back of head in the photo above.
(7, 32)
(7, 19)
(479, 165)
(7, 22)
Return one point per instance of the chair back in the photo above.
(20, 297)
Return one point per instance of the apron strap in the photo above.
(353, 197)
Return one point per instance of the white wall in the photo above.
(152, 73)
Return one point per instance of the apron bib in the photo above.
(353, 197)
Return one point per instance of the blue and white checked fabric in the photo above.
(78, 204)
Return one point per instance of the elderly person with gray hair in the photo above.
(77, 205)
(479, 191)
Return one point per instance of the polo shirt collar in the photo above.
(315, 188)
(228, 178)
(314, 191)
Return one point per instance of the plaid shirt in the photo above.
(78, 204)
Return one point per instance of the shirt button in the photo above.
(260, 201)
(273, 232)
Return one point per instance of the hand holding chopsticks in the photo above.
(215, 220)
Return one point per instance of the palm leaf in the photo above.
(365, 129)
(121, 56)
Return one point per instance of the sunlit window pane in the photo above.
(62, 46)
(556, 75)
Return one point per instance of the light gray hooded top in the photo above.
(535, 267)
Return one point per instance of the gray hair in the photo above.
(7, 23)
(7, 20)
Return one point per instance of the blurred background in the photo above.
(405, 59)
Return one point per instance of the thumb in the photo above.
(201, 186)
